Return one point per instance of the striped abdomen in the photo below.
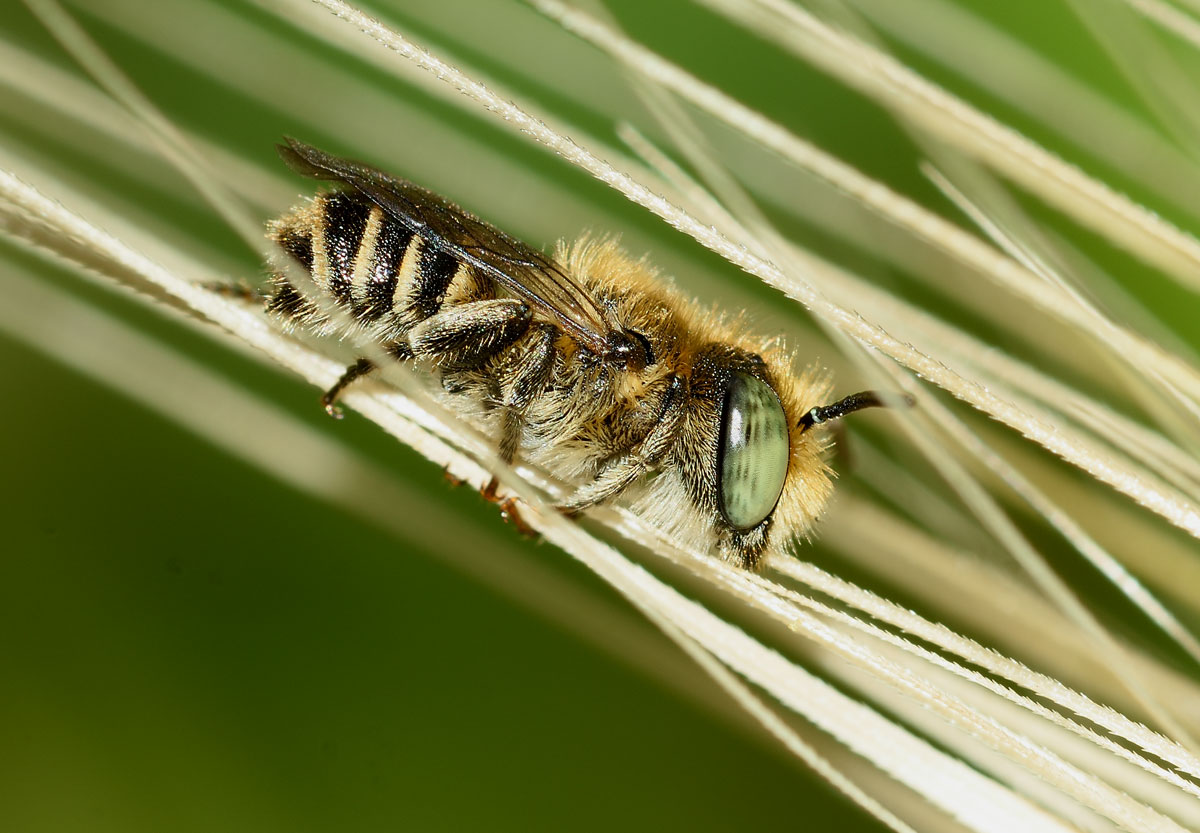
(365, 262)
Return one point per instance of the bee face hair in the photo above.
(744, 479)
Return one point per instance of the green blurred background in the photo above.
(190, 644)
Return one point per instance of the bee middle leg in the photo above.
(523, 374)
(470, 333)
(624, 471)
(508, 508)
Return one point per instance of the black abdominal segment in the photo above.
(345, 222)
(390, 246)
(382, 275)
(434, 273)
(298, 244)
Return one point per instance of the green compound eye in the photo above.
(753, 459)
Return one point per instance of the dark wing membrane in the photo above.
(519, 268)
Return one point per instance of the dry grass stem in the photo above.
(396, 414)
(1090, 202)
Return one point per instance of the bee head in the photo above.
(763, 477)
(767, 464)
(749, 430)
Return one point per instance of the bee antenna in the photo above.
(853, 402)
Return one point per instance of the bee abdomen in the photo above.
(367, 262)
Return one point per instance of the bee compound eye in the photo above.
(752, 460)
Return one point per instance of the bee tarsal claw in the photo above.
(508, 508)
(508, 511)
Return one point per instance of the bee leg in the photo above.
(360, 368)
(489, 491)
(523, 375)
(289, 303)
(468, 333)
(508, 508)
(624, 471)
(237, 291)
(508, 511)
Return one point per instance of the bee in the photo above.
(586, 364)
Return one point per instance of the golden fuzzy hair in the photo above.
(646, 302)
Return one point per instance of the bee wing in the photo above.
(519, 268)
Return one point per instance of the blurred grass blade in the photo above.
(1091, 202)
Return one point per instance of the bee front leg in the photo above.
(624, 471)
